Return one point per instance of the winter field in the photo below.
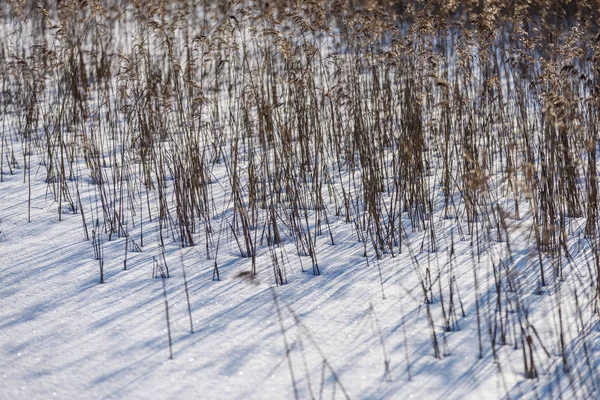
(299, 200)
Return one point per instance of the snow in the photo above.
(62, 333)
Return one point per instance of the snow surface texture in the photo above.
(365, 327)
(64, 334)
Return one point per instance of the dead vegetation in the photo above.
(270, 125)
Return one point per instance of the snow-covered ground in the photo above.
(63, 334)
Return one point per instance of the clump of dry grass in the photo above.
(386, 116)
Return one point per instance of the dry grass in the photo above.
(388, 116)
